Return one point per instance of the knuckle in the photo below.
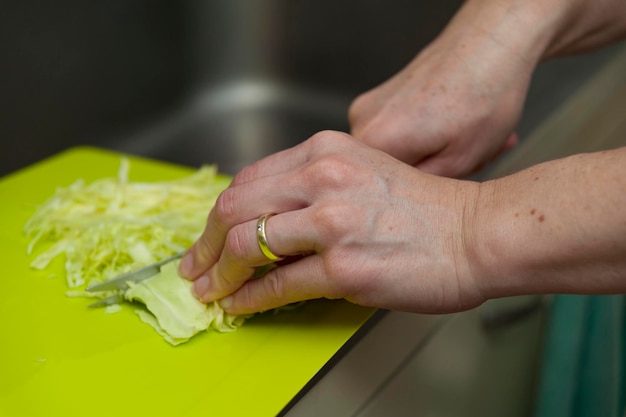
(273, 285)
(375, 126)
(204, 248)
(225, 206)
(245, 175)
(327, 139)
(335, 219)
(386, 128)
(333, 171)
(357, 107)
(245, 297)
(224, 280)
(235, 243)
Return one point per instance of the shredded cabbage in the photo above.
(113, 226)
(173, 310)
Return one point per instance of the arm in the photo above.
(557, 227)
(455, 107)
(379, 233)
(541, 29)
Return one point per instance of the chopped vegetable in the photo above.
(113, 226)
(174, 311)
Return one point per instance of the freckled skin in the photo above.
(485, 59)
(580, 250)
(468, 258)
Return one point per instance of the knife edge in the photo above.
(121, 282)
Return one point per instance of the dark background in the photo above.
(77, 72)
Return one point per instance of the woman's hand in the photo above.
(445, 113)
(456, 106)
(355, 224)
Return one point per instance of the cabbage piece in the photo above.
(174, 311)
(113, 226)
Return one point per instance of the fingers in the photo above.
(274, 164)
(290, 159)
(314, 197)
(457, 163)
(297, 281)
(227, 275)
(238, 205)
(393, 132)
(229, 211)
(266, 186)
(242, 254)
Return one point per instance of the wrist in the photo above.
(541, 29)
(521, 29)
(492, 242)
(557, 227)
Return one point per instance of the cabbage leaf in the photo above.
(174, 311)
(112, 226)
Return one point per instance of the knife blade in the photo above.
(121, 282)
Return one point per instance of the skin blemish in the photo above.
(542, 218)
(516, 214)
(536, 178)
(532, 212)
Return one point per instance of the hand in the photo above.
(455, 107)
(357, 223)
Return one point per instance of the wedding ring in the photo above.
(262, 238)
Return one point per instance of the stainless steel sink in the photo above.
(262, 76)
(239, 122)
(265, 75)
(225, 81)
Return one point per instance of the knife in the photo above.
(121, 282)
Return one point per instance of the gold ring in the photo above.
(262, 238)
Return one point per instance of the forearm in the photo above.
(558, 227)
(540, 29)
(586, 25)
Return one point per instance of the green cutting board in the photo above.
(59, 358)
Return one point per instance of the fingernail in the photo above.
(200, 287)
(226, 302)
(186, 265)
